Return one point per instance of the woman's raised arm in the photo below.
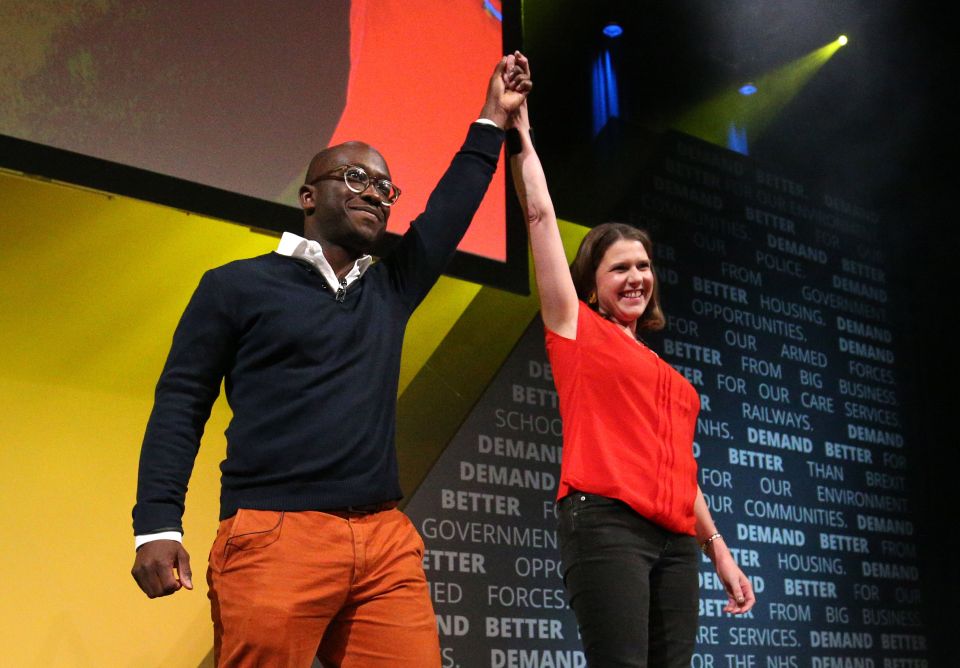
(558, 297)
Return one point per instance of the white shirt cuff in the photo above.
(150, 537)
(487, 121)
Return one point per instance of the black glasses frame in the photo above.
(388, 191)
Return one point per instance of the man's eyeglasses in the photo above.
(357, 180)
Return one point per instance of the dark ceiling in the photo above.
(863, 127)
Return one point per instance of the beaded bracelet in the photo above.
(706, 544)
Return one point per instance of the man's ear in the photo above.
(306, 196)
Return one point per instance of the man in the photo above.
(311, 556)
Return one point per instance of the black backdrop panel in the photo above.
(779, 313)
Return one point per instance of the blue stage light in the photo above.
(606, 95)
(748, 89)
(737, 139)
(612, 30)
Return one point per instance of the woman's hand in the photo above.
(518, 78)
(738, 587)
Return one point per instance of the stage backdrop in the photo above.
(240, 94)
(780, 314)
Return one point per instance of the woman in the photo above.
(631, 513)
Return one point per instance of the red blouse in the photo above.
(628, 422)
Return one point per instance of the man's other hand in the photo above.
(161, 568)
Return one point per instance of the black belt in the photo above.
(583, 497)
(365, 509)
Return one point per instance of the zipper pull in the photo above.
(342, 290)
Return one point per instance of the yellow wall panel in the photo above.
(91, 288)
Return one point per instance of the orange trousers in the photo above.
(349, 589)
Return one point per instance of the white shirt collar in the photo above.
(310, 251)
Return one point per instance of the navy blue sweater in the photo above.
(312, 382)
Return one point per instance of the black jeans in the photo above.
(632, 584)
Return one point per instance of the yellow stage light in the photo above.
(712, 119)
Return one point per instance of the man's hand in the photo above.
(508, 88)
(161, 568)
